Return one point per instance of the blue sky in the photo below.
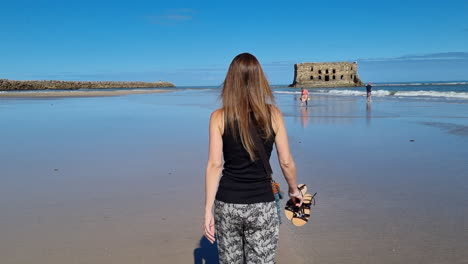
(193, 42)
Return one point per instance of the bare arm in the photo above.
(213, 170)
(285, 158)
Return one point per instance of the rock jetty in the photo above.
(12, 85)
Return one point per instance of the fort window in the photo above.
(311, 68)
(311, 77)
(351, 67)
(334, 71)
(342, 77)
(320, 77)
(326, 71)
(351, 76)
(333, 77)
(320, 71)
(327, 78)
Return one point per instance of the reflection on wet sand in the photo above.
(368, 112)
(304, 116)
(325, 110)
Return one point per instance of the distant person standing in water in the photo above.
(304, 96)
(369, 91)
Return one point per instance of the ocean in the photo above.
(452, 91)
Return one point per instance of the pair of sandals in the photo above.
(299, 215)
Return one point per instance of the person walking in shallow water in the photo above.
(240, 209)
(304, 97)
(369, 91)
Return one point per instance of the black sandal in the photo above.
(290, 209)
(300, 218)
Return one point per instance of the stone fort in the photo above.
(326, 74)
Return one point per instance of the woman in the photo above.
(242, 210)
(304, 96)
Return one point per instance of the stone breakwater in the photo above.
(12, 85)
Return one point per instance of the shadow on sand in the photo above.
(206, 253)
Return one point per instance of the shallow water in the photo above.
(120, 179)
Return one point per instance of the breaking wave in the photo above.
(288, 92)
(381, 93)
(384, 93)
(423, 84)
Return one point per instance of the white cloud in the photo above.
(172, 16)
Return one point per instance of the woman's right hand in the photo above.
(209, 228)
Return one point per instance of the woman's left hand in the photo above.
(209, 227)
(296, 196)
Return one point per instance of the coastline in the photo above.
(77, 93)
(14, 85)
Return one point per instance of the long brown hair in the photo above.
(247, 95)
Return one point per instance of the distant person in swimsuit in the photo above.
(369, 91)
(304, 96)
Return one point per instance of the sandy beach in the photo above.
(80, 93)
(121, 179)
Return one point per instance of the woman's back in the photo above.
(244, 181)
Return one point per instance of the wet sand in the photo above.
(120, 179)
(79, 93)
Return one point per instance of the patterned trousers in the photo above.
(246, 233)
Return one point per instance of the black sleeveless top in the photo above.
(243, 181)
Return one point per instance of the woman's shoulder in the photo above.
(276, 117)
(275, 111)
(217, 114)
(217, 118)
